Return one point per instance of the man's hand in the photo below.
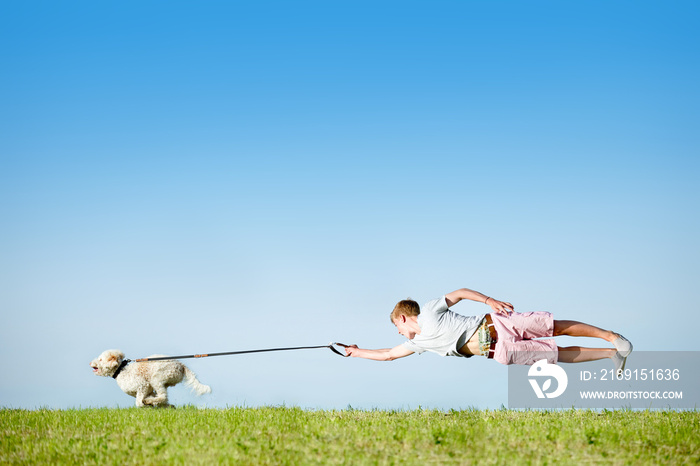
(386, 354)
(349, 349)
(500, 307)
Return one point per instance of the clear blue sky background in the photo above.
(187, 177)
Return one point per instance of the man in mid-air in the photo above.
(504, 335)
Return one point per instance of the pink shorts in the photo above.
(516, 333)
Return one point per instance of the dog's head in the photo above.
(107, 363)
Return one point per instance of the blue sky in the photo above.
(186, 178)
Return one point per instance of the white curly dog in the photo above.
(147, 381)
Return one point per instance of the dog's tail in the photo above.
(196, 386)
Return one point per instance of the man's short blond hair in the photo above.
(407, 307)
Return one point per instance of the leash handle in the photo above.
(332, 347)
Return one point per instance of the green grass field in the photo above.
(279, 435)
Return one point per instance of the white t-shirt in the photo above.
(442, 331)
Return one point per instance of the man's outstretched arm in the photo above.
(386, 354)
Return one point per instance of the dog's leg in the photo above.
(141, 398)
(161, 396)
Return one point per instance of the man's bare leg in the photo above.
(579, 329)
(573, 328)
(580, 354)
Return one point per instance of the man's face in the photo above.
(403, 325)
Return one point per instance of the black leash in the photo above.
(165, 358)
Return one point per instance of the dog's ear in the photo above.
(114, 358)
